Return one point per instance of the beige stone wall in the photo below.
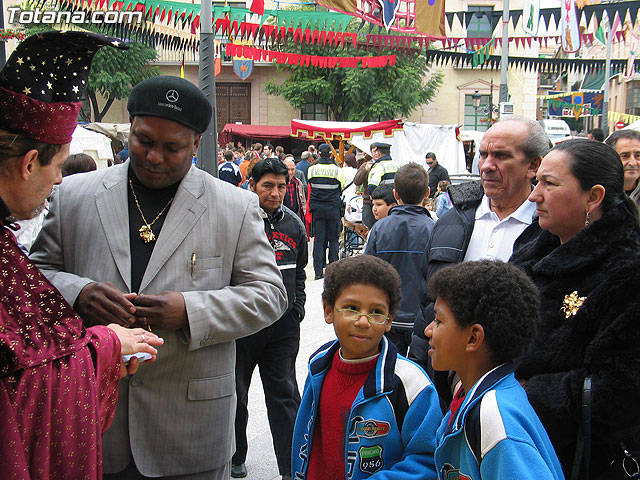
(448, 107)
(265, 109)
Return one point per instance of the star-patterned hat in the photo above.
(42, 83)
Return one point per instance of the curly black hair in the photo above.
(362, 270)
(496, 295)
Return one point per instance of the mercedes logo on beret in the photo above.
(172, 96)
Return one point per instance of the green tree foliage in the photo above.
(115, 72)
(359, 94)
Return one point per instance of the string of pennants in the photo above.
(476, 43)
(307, 26)
(146, 32)
(253, 53)
(587, 13)
(480, 55)
(275, 33)
(546, 64)
(459, 59)
(409, 42)
(189, 14)
(625, 117)
(174, 24)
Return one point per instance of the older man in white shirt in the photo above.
(490, 215)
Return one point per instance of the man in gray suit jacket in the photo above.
(157, 243)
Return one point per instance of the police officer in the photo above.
(327, 181)
(383, 169)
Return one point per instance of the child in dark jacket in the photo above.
(401, 239)
(484, 316)
(366, 411)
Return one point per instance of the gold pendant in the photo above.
(146, 234)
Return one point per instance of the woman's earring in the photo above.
(586, 220)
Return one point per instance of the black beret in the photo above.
(324, 150)
(381, 145)
(173, 98)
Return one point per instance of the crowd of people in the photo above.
(487, 331)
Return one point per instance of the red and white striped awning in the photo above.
(342, 130)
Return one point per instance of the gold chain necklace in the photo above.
(146, 233)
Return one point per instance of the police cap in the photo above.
(325, 150)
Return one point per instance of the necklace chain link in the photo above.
(146, 233)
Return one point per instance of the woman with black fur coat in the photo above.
(586, 265)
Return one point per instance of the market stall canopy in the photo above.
(117, 131)
(415, 140)
(256, 132)
(343, 130)
(96, 145)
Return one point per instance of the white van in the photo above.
(555, 128)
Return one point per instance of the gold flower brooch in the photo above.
(572, 303)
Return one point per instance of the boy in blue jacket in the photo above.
(366, 412)
(485, 313)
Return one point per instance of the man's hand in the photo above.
(165, 311)
(101, 303)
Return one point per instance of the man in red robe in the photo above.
(58, 381)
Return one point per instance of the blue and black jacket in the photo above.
(496, 434)
(397, 395)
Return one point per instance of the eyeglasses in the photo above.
(372, 318)
(429, 163)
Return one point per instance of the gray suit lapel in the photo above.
(181, 218)
(113, 212)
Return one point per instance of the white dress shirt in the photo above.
(492, 238)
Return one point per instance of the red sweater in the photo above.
(339, 389)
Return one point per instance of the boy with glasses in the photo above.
(365, 410)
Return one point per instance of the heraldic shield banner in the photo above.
(242, 68)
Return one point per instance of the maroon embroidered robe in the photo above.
(58, 381)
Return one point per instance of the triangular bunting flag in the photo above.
(495, 18)
(633, 14)
(449, 17)
(468, 16)
(515, 17)
(587, 15)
